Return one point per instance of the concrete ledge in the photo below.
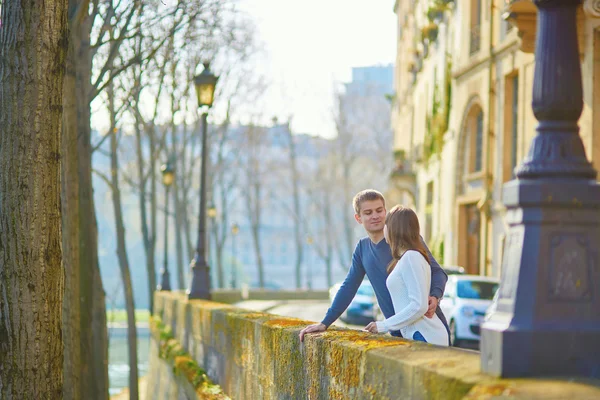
(259, 356)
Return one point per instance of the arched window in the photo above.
(478, 161)
(474, 140)
(470, 149)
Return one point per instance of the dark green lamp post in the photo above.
(168, 174)
(200, 284)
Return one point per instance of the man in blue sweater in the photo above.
(371, 257)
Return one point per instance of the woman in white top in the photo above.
(408, 281)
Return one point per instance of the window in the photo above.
(483, 290)
(475, 32)
(514, 125)
(511, 126)
(429, 212)
(505, 27)
(478, 142)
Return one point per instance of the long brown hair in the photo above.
(403, 233)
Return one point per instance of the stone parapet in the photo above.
(259, 356)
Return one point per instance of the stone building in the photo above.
(463, 119)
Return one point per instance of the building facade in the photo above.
(463, 119)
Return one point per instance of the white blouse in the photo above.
(409, 285)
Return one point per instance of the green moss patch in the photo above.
(170, 350)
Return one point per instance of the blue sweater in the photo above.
(372, 259)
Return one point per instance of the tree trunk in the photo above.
(147, 236)
(122, 256)
(255, 221)
(70, 229)
(33, 47)
(328, 237)
(94, 335)
(177, 202)
(297, 212)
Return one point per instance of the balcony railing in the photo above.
(475, 43)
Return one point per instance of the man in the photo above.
(371, 257)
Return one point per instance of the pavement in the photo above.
(310, 310)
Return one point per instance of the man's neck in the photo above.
(375, 237)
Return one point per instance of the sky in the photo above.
(311, 45)
(309, 48)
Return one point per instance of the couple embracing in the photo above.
(407, 280)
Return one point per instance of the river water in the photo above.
(118, 360)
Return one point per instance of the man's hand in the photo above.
(433, 303)
(312, 329)
(372, 327)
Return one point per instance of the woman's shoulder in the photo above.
(414, 255)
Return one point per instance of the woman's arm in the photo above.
(415, 278)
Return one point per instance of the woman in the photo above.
(408, 281)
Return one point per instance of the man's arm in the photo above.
(346, 292)
(343, 297)
(438, 275)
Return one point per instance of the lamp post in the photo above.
(547, 318)
(168, 174)
(235, 229)
(200, 284)
(211, 213)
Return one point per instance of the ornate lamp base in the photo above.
(547, 320)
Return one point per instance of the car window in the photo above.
(365, 290)
(476, 289)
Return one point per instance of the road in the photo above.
(311, 310)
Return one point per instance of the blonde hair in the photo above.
(404, 234)
(366, 195)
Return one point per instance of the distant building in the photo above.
(377, 79)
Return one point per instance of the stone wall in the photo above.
(259, 356)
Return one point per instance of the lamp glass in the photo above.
(168, 178)
(212, 212)
(235, 229)
(205, 94)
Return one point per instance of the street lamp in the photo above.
(200, 284)
(547, 314)
(235, 229)
(168, 175)
(212, 211)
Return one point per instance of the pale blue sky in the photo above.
(312, 44)
(309, 47)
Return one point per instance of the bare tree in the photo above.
(253, 165)
(292, 176)
(362, 150)
(321, 196)
(114, 185)
(31, 269)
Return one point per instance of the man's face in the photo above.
(372, 215)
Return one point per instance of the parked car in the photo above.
(453, 270)
(465, 302)
(363, 307)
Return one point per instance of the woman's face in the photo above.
(385, 234)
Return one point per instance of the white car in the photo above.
(465, 301)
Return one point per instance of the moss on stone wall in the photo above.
(256, 355)
(171, 351)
